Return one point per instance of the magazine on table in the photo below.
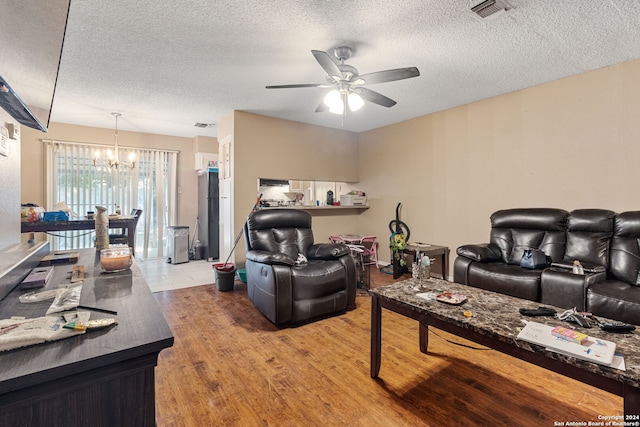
(592, 349)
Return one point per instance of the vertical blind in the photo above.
(151, 185)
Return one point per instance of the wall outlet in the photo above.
(14, 131)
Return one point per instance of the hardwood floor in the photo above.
(230, 366)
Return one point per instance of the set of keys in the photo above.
(580, 318)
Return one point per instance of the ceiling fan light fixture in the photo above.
(355, 101)
(333, 100)
(347, 84)
(337, 108)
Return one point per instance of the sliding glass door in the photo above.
(76, 179)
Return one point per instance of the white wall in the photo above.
(9, 188)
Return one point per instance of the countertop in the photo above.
(321, 208)
(141, 329)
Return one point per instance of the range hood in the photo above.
(12, 104)
(273, 182)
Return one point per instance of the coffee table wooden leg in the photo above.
(376, 336)
(631, 397)
(424, 337)
(445, 264)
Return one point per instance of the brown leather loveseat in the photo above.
(607, 244)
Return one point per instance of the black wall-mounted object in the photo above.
(12, 104)
(32, 34)
(273, 182)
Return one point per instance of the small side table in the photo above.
(440, 267)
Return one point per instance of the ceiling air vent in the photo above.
(204, 125)
(490, 8)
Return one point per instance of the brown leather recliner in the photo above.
(284, 291)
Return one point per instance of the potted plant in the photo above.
(398, 244)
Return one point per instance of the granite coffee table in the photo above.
(494, 323)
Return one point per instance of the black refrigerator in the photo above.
(208, 214)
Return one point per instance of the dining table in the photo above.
(351, 239)
(127, 222)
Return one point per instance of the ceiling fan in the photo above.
(348, 84)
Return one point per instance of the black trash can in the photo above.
(198, 250)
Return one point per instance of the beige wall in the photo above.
(205, 144)
(572, 143)
(33, 158)
(274, 148)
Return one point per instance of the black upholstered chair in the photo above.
(122, 238)
(287, 292)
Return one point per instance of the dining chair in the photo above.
(123, 237)
(336, 239)
(370, 244)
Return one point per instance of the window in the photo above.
(73, 178)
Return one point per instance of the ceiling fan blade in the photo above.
(298, 85)
(322, 107)
(376, 97)
(390, 75)
(327, 63)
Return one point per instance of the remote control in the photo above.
(616, 327)
(540, 311)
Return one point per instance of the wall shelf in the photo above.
(327, 210)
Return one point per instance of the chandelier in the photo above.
(113, 156)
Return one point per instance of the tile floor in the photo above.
(162, 276)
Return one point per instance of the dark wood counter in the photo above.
(100, 378)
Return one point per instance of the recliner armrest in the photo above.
(484, 252)
(562, 288)
(272, 258)
(327, 251)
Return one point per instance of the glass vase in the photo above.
(420, 272)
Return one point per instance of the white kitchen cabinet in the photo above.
(205, 161)
(295, 185)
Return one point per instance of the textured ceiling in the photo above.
(168, 64)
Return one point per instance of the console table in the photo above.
(494, 324)
(104, 377)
